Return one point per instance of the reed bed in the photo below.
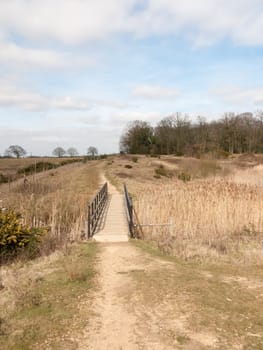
(213, 217)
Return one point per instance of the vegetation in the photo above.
(176, 134)
(212, 207)
(72, 152)
(197, 306)
(41, 298)
(15, 150)
(59, 152)
(17, 238)
(92, 152)
(57, 200)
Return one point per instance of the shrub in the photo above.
(128, 166)
(16, 238)
(184, 176)
(222, 154)
(69, 161)
(103, 156)
(37, 168)
(135, 159)
(3, 178)
(161, 171)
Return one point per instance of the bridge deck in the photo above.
(113, 226)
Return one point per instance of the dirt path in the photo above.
(116, 324)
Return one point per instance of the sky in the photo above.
(74, 73)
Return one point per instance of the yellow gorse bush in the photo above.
(14, 235)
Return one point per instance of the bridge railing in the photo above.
(95, 209)
(129, 210)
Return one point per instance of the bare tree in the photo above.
(92, 151)
(72, 152)
(15, 150)
(59, 152)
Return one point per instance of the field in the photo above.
(56, 199)
(194, 283)
(213, 207)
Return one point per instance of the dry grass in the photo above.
(40, 300)
(10, 166)
(217, 214)
(56, 199)
(212, 217)
(197, 306)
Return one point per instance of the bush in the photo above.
(161, 171)
(69, 161)
(103, 156)
(128, 166)
(221, 154)
(135, 159)
(16, 238)
(184, 176)
(3, 178)
(37, 168)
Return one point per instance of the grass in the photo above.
(215, 217)
(214, 206)
(218, 305)
(56, 199)
(41, 302)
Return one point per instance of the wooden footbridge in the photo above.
(110, 215)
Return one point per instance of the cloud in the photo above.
(239, 96)
(121, 119)
(155, 92)
(76, 21)
(203, 22)
(67, 21)
(16, 55)
(12, 95)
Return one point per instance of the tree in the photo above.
(72, 152)
(59, 152)
(15, 150)
(138, 138)
(92, 151)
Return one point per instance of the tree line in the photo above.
(19, 152)
(176, 134)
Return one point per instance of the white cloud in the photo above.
(70, 103)
(77, 21)
(155, 92)
(204, 22)
(12, 54)
(240, 96)
(68, 21)
(12, 95)
(120, 119)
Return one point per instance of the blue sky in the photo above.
(75, 72)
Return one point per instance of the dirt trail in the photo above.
(129, 311)
(116, 324)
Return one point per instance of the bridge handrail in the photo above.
(95, 208)
(129, 210)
